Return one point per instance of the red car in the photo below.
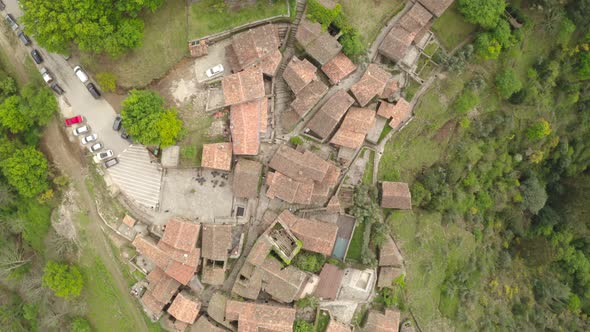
(74, 120)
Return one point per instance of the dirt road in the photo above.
(59, 149)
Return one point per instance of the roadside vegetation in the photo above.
(497, 160)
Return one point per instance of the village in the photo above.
(217, 244)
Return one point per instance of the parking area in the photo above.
(138, 176)
(196, 194)
(215, 56)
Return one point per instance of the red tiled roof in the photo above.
(298, 74)
(354, 128)
(298, 165)
(254, 317)
(317, 236)
(253, 45)
(288, 189)
(128, 220)
(244, 86)
(181, 235)
(151, 304)
(246, 178)
(308, 97)
(396, 195)
(335, 326)
(270, 63)
(322, 189)
(338, 68)
(389, 254)
(246, 125)
(372, 84)
(164, 289)
(217, 156)
(184, 309)
(319, 44)
(216, 242)
(378, 322)
(387, 274)
(328, 116)
(259, 251)
(436, 7)
(330, 281)
(398, 113)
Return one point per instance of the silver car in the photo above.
(81, 130)
(89, 138)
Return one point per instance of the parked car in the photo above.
(24, 38)
(81, 74)
(11, 21)
(55, 87)
(2, 5)
(110, 163)
(89, 138)
(215, 70)
(125, 135)
(74, 120)
(103, 156)
(117, 123)
(95, 147)
(46, 75)
(81, 130)
(36, 56)
(93, 90)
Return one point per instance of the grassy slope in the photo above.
(451, 29)
(370, 16)
(207, 17)
(164, 44)
(425, 242)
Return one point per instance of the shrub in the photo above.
(317, 12)
(539, 130)
(296, 140)
(107, 81)
(80, 324)
(310, 261)
(63, 279)
(507, 83)
(487, 46)
(466, 101)
(303, 326)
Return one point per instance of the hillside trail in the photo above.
(59, 150)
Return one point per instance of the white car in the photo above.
(81, 130)
(81, 74)
(46, 75)
(95, 147)
(102, 156)
(89, 138)
(215, 70)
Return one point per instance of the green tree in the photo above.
(466, 101)
(63, 279)
(7, 86)
(80, 324)
(147, 121)
(583, 65)
(303, 326)
(107, 81)
(12, 115)
(40, 104)
(310, 261)
(483, 12)
(487, 47)
(507, 83)
(539, 130)
(93, 25)
(26, 171)
(503, 34)
(534, 195)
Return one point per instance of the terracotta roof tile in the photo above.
(402, 112)
(164, 289)
(216, 308)
(246, 178)
(338, 68)
(335, 326)
(252, 45)
(204, 325)
(181, 234)
(389, 254)
(259, 252)
(354, 128)
(242, 87)
(308, 97)
(330, 281)
(371, 84)
(129, 221)
(183, 273)
(396, 43)
(289, 190)
(184, 309)
(396, 195)
(213, 275)
(316, 42)
(378, 322)
(317, 236)
(270, 63)
(321, 190)
(216, 242)
(150, 303)
(217, 156)
(436, 7)
(254, 317)
(284, 284)
(387, 274)
(328, 116)
(246, 125)
(298, 74)
(391, 87)
(155, 275)
(298, 165)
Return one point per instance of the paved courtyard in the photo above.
(204, 196)
(138, 177)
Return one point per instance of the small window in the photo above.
(240, 211)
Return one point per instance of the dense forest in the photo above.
(516, 171)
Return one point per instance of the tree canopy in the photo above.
(63, 279)
(483, 12)
(507, 83)
(147, 121)
(26, 171)
(93, 25)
